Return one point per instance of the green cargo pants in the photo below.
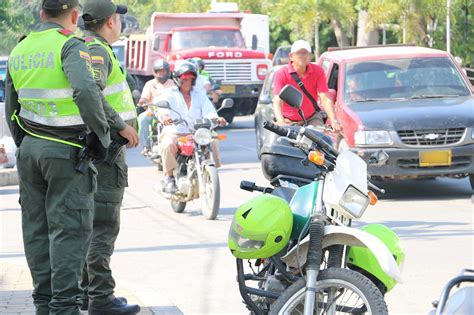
(97, 280)
(56, 204)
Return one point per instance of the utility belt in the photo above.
(89, 147)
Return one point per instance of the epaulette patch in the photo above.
(65, 32)
(88, 39)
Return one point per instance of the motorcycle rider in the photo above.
(151, 92)
(186, 102)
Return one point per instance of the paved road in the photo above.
(179, 263)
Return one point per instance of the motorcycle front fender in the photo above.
(342, 235)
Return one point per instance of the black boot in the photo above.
(116, 306)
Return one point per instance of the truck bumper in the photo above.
(405, 163)
(245, 97)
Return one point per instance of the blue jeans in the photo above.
(145, 120)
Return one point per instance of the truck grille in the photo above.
(230, 71)
(431, 137)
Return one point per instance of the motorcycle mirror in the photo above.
(227, 103)
(136, 96)
(163, 104)
(291, 96)
(378, 158)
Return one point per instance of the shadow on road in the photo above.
(434, 189)
(425, 230)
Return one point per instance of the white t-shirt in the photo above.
(201, 107)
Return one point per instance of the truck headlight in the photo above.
(372, 138)
(262, 71)
(354, 202)
(203, 136)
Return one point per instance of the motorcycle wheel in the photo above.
(337, 291)
(177, 206)
(211, 196)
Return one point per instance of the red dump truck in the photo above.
(214, 37)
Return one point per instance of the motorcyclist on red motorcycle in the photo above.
(188, 103)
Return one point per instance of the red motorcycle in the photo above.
(196, 174)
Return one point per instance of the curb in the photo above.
(8, 177)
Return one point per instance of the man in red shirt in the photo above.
(314, 80)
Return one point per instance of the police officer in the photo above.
(103, 26)
(53, 99)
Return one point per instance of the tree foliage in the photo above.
(330, 22)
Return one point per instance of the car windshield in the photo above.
(207, 38)
(432, 77)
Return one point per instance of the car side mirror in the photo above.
(163, 104)
(291, 96)
(265, 99)
(332, 95)
(254, 42)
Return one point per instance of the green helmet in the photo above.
(261, 227)
(364, 259)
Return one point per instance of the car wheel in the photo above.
(471, 180)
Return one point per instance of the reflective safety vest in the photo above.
(44, 92)
(116, 92)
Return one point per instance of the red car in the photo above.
(414, 103)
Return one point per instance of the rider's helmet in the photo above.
(363, 260)
(261, 227)
(185, 70)
(161, 64)
(200, 63)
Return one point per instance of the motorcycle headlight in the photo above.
(354, 202)
(372, 138)
(245, 243)
(203, 136)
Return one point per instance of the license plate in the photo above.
(228, 89)
(435, 158)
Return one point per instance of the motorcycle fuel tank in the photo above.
(302, 206)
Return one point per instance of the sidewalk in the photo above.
(15, 279)
(16, 288)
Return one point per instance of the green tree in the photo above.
(15, 21)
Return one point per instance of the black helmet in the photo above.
(161, 64)
(185, 68)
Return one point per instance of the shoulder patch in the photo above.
(97, 59)
(84, 55)
(65, 32)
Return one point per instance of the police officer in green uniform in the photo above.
(53, 100)
(103, 26)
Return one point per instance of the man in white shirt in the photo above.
(152, 91)
(191, 103)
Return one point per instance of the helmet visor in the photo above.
(245, 243)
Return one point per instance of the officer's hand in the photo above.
(131, 135)
(166, 120)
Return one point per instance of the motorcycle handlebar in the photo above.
(281, 131)
(321, 143)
